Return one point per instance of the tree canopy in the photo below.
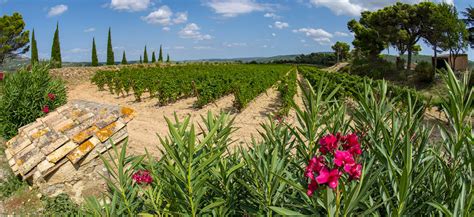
(56, 60)
(13, 39)
(95, 60)
(34, 49)
(110, 50)
(341, 50)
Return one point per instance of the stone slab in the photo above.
(79, 152)
(61, 152)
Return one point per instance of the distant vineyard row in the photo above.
(206, 82)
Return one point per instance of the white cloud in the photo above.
(303, 41)
(318, 35)
(191, 31)
(273, 34)
(57, 10)
(164, 16)
(78, 50)
(355, 7)
(178, 47)
(89, 30)
(181, 17)
(166, 29)
(130, 5)
(233, 8)
(341, 34)
(271, 15)
(281, 25)
(202, 47)
(235, 44)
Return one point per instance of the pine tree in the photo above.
(56, 50)
(153, 58)
(95, 60)
(168, 58)
(34, 49)
(110, 51)
(160, 56)
(124, 59)
(141, 59)
(145, 56)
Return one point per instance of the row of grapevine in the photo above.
(288, 89)
(352, 85)
(207, 82)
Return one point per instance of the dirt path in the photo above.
(150, 118)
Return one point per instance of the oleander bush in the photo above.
(378, 162)
(28, 95)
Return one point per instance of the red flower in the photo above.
(328, 144)
(331, 178)
(354, 171)
(342, 158)
(352, 144)
(314, 165)
(312, 187)
(46, 109)
(142, 177)
(51, 96)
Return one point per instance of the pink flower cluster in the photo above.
(343, 152)
(51, 97)
(142, 177)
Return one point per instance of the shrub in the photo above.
(28, 95)
(376, 68)
(60, 205)
(10, 186)
(424, 72)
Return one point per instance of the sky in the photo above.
(195, 29)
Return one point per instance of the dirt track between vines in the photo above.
(150, 117)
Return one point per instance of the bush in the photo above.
(376, 69)
(60, 205)
(424, 72)
(28, 95)
(10, 186)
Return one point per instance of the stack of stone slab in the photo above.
(77, 132)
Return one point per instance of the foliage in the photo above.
(160, 55)
(60, 205)
(34, 49)
(374, 68)
(145, 56)
(288, 89)
(95, 60)
(341, 50)
(207, 83)
(469, 14)
(13, 39)
(110, 50)
(321, 59)
(168, 58)
(10, 186)
(153, 57)
(26, 94)
(124, 59)
(56, 61)
(424, 72)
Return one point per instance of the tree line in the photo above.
(15, 41)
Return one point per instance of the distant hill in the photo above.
(11, 65)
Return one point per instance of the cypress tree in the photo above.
(160, 56)
(56, 50)
(110, 51)
(145, 56)
(124, 59)
(153, 58)
(34, 49)
(95, 60)
(168, 58)
(141, 59)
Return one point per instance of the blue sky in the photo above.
(194, 29)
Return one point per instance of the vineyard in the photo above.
(206, 82)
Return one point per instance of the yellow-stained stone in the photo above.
(82, 150)
(54, 145)
(24, 154)
(8, 154)
(85, 117)
(39, 133)
(106, 132)
(31, 126)
(61, 152)
(31, 162)
(44, 166)
(20, 147)
(127, 113)
(64, 125)
(83, 135)
(62, 108)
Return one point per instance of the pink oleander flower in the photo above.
(46, 109)
(51, 96)
(328, 144)
(142, 177)
(342, 158)
(314, 165)
(354, 171)
(312, 187)
(331, 178)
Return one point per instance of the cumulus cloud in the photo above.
(355, 7)
(166, 29)
(89, 30)
(191, 31)
(319, 35)
(233, 8)
(281, 25)
(164, 16)
(341, 34)
(57, 10)
(271, 15)
(130, 5)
